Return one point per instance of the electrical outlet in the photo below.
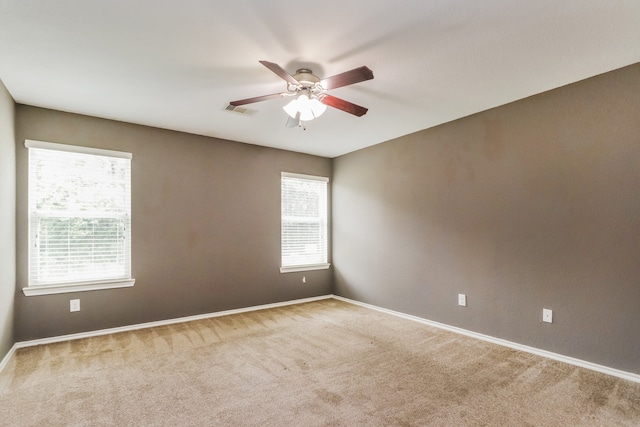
(74, 305)
(462, 300)
(547, 315)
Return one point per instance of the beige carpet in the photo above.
(325, 363)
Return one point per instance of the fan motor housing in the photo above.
(309, 84)
(306, 77)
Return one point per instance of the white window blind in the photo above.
(79, 214)
(304, 221)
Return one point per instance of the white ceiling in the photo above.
(177, 64)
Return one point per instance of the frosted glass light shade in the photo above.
(307, 108)
(317, 107)
(291, 108)
(304, 107)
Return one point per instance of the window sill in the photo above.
(293, 269)
(76, 287)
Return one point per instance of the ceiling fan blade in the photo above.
(347, 78)
(256, 99)
(343, 105)
(281, 72)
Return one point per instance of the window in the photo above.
(304, 222)
(79, 218)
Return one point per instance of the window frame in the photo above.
(76, 286)
(324, 221)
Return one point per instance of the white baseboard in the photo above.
(7, 357)
(61, 338)
(550, 355)
(559, 357)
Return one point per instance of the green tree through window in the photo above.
(79, 214)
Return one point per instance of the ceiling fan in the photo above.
(309, 93)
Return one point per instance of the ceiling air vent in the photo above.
(240, 110)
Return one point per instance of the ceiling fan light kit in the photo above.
(310, 93)
(304, 108)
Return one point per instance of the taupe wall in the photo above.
(206, 226)
(530, 205)
(7, 219)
